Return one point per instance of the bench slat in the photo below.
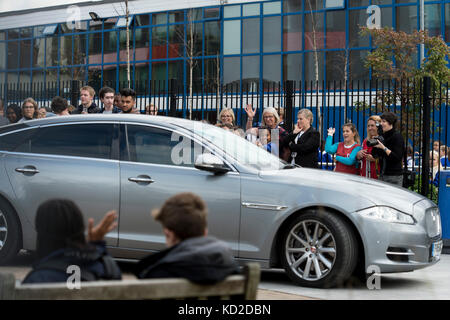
(244, 286)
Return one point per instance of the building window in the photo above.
(232, 11)
(271, 34)
(314, 35)
(356, 20)
(292, 33)
(335, 29)
(232, 37)
(231, 70)
(271, 70)
(250, 33)
(406, 18)
(292, 67)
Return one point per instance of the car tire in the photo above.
(319, 249)
(10, 233)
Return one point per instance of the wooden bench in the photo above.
(242, 286)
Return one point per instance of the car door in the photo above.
(70, 161)
(150, 174)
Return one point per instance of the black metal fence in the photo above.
(421, 105)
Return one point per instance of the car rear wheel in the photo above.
(9, 233)
(319, 249)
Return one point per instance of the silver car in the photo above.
(320, 226)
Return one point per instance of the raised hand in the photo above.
(107, 224)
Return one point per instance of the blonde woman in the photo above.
(304, 141)
(226, 116)
(270, 119)
(370, 166)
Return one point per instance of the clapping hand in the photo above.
(107, 224)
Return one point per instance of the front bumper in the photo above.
(394, 247)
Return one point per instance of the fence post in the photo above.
(426, 107)
(75, 93)
(172, 98)
(289, 103)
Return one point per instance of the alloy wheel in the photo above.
(310, 250)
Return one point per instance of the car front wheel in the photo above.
(319, 249)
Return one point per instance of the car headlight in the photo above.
(387, 214)
(433, 221)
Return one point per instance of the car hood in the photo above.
(374, 191)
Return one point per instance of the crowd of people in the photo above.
(112, 102)
(381, 155)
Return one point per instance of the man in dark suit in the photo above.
(304, 141)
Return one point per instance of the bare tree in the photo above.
(316, 60)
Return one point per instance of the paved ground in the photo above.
(432, 283)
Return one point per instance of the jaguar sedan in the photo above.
(320, 226)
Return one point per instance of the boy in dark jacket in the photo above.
(191, 253)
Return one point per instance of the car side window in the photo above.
(78, 140)
(17, 140)
(153, 145)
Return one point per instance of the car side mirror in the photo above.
(211, 163)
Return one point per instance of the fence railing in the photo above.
(422, 107)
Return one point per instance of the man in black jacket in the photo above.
(304, 141)
(87, 105)
(392, 150)
(191, 254)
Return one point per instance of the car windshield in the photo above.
(237, 147)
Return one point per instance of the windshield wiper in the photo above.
(290, 166)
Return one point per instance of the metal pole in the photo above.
(422, 28)
(127, 14)
(426, 98)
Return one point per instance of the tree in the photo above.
(394, 59)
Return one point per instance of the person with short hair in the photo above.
(106, 95)
(391, 151)
(87, 105)
(226, 116)
(30, 110)
(304, 141)
(129, 101)
(61, 243)
(345, 151)
(60, 106)
(191, 253)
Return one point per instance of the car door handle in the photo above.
(31, 170)
(142, 179)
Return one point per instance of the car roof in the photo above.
(179, 122)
